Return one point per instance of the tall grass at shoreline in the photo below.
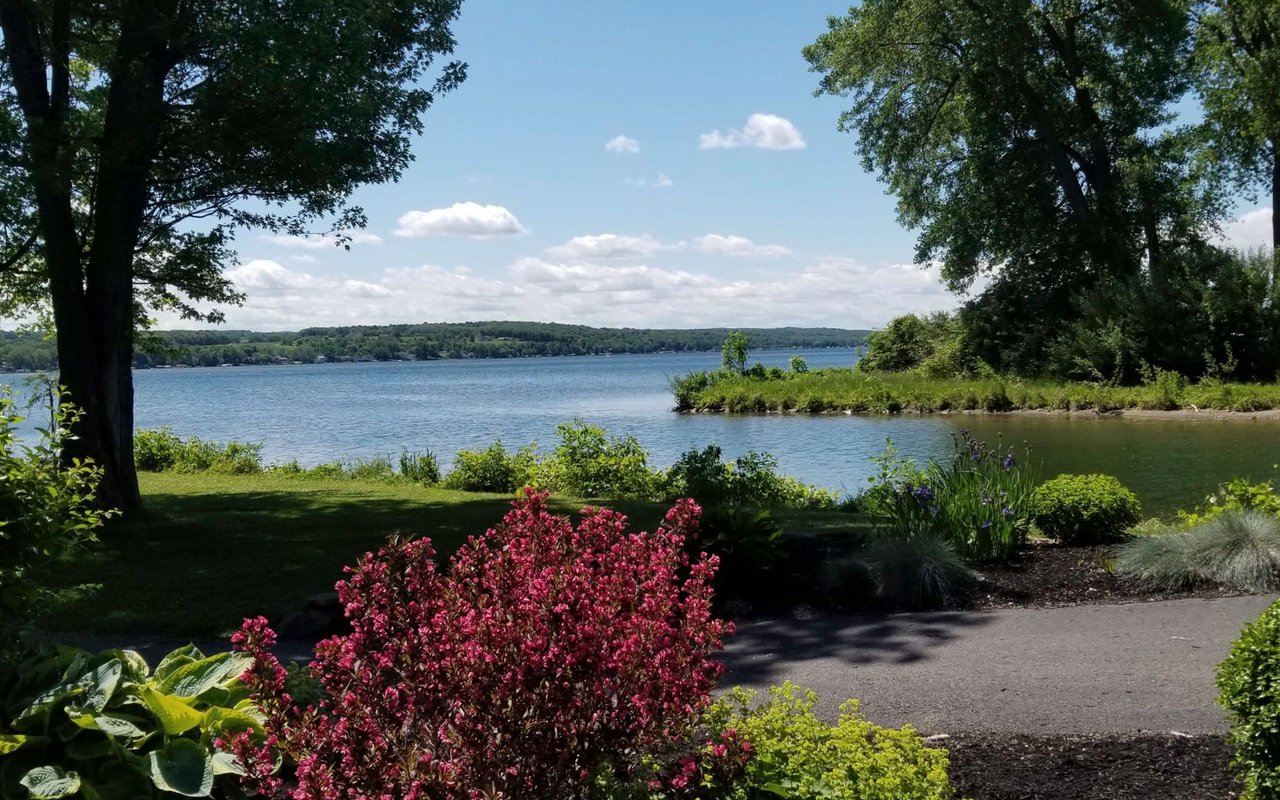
(839, 389)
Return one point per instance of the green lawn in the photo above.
(209, 549)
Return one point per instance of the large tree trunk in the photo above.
(1275, 217)
(92, 292)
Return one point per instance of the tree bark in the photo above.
(1275, 215)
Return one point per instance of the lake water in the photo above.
(323, 412)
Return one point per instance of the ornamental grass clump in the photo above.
(1236, 549)
(545, 654)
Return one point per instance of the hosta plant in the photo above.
(106, 726)
(545, 654)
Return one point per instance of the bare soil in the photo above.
(1049, 575)
(1098, 767)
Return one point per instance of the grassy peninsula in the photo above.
(871, 392)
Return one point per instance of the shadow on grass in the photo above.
(764, 651)
(207, 552)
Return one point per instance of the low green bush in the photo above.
(751, 481)
(105, 725)
(797, 755)
(892, 469)
(1236, 549)
(1238, 494)
(161, 450)
(588, 462)
(1084, 509)
(1249, 689)
(493, 469)
(48, 514)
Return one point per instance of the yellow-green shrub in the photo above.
(799, 756)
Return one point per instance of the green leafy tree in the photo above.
(733, 355)
(1025, 139)
(139, 136)
(1237, 59)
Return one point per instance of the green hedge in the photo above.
(1084, 509)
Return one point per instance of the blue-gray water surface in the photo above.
(323, 412)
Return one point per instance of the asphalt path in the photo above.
(1082, 669)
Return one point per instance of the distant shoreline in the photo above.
(350, 362)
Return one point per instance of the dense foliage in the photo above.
(1235, 495)
(106, 726)
(47, 513)
(545, 653)
(1033, 148)
(1249, 689)
(27, 352)
(1084, 509)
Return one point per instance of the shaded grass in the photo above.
(209, 550)
(891, 392)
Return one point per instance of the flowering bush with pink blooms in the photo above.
(544, 655)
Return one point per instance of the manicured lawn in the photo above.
(211, 549)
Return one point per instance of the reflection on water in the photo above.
(321, 412)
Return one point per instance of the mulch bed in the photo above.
(1047, 575)
(1093, 767)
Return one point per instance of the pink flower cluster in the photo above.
(720, 764)
(546, 651)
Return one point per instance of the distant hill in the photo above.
(430, 340)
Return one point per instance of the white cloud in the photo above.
(763, 131)
(660, 182)
(607, 245)
(461, 219)
(268, 277)
(318, 241)
(1249, 231)
(840, 292)
(737, 246)
(622, 144)
(365, 289)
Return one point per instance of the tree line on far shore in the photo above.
(28, 352)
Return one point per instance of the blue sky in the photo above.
(727, 196)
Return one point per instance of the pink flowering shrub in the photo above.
(546, 653)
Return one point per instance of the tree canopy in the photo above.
(138, 137)
(1035, 147)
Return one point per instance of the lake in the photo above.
(322, 412)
